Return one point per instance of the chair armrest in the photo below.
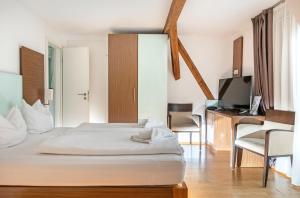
(279, 142)
(252, 121)
(247, 126)
(169, 120)
(197, 115)
(199, 119)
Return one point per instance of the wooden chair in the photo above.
(181, 119)
(271, 138)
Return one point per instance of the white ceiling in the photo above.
(103, 16)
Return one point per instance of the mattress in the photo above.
(23, 165)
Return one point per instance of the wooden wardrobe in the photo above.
(137, 77)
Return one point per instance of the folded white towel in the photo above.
(136, 138)
(151, 123)
(161, 133)
(155, 135)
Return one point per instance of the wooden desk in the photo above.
(219, 134)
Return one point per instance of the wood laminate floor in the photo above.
(209, 176)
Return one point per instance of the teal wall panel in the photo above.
(10, 91)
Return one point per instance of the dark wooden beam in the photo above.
(174, 53)
(195, 71)
(171, 29)
(237, 69)
(174, 13)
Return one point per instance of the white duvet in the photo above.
(106, 141)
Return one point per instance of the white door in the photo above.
(75, 86)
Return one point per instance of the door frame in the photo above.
(58, 84)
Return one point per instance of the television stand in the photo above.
(220, 127)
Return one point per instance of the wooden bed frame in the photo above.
(176, 191)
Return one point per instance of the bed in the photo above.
(24, 165)
(24, 172)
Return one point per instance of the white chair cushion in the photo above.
(257, 135)
(252, 144)
(187, 128)
(252, 137)
(275, 125)
(183, 121)
(281, 143)
(246, 129)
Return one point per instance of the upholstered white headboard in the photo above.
(10, 91)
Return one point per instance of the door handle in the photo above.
(134, 94)
(82, 94)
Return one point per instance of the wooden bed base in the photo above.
(176, 191)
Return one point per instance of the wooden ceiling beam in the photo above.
(171, 29)
(177, 47)
(187, 59)
(174, 52)
(174, 13)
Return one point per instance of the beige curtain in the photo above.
(263, 58)
(283, 72)
(283, 35)
(286, 33)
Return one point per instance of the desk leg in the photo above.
(205, 143)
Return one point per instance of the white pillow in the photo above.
(16, 118)
(142, 122)
(12, 128)
(38, 118)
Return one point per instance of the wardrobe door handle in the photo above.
(134, 94)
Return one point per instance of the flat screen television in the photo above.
(235, 93)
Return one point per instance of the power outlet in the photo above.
(236, 72)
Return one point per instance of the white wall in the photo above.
(294, 7)
(98, 46)
(212, 56)
(20, 27)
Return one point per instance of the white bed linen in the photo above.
(97, 126)
(107, 142)
(22, 165)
